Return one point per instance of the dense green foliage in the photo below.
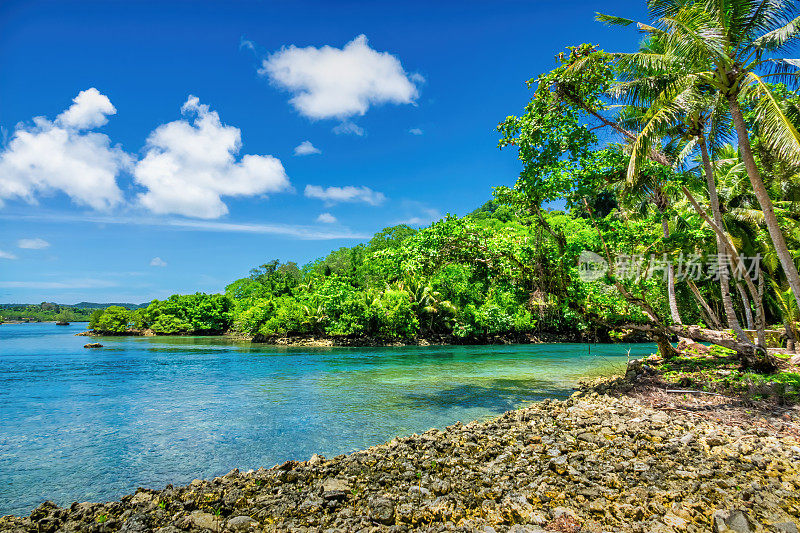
(199, 314)
(196, 313)
(494, 272)
(113, 319)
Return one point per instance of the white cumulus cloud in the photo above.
(157, 262)
(33, 244)
(415, 131)
(7, 255)
(63, 156)
(333, 195)
(330, 82)
(306, 148)
(189, 166)
(326, 218)
(88, 110)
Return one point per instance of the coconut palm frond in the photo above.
(775, 40)
(775, 127)
(749, 216)
(664, 112)
(612, 20)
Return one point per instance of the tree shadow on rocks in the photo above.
(498, 396)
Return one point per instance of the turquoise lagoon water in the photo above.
(92, 425)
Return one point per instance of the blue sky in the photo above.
(182, 143)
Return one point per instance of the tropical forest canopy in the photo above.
(675, 169)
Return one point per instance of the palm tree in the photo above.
(641, 89)
(724, 46)
(425, 300)
(314, 318)
(649, 190)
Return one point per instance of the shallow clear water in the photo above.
(92, 425)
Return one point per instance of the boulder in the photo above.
(138, 523)
(241, 523)
(335, 489)
(316, 460)
(382, 511)
(93, 345)
(734, 520)
(203, 520)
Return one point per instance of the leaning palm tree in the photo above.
(649, 189)
(727, 47)
(641, 88)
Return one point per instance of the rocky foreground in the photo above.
(590, 463)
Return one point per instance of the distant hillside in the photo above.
(92, 305)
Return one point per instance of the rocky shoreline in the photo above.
(594, 462)
(360, 341)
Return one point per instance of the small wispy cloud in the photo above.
(285, 230)
(299, 232)
(419, 214)
(246, 44)
(306, 148)
(7, 255)
(333, 195)
(157, 262)
(349, 128)
(326, 218)
(54, 285)
(415, 131)
(33, 244)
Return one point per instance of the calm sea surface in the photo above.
(92, 425)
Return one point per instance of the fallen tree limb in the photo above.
(698, 392)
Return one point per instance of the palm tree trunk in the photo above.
(749, 357)
(673, 302)
(724, 279)
(748, 312)
(760, 190)
(714, 319)
(791, 340)
(761, 319)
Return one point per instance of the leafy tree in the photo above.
(191, 313)
(114, 319)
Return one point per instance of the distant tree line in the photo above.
(197, 314)
(43, 312)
